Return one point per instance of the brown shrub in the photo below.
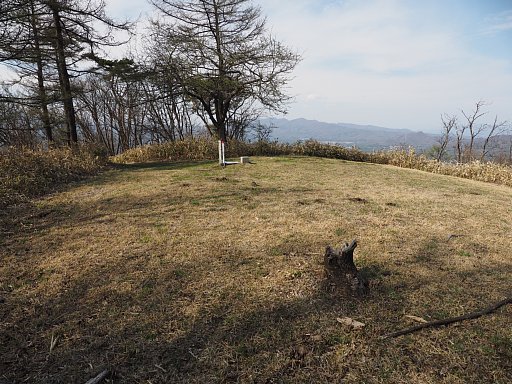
(28, 172)
(476, 170)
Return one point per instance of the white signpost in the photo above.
(222, 153)
(222, 156)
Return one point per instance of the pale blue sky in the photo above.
(394, 63)
(397, 63)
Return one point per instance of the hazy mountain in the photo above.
(365, 137)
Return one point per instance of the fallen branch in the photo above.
(99, 378)
(450, 320)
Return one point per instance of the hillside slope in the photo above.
(190, 273)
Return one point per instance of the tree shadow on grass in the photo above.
(163, 165)
(230, 340)
(148, 334)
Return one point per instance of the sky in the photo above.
(399, 64)
(392, 63)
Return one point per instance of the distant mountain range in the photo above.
(365, 137)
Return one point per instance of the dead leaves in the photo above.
(354, 324)
(416, 319)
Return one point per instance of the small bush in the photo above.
(185, 150)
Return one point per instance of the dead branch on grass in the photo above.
(99, 378)
(450, 320)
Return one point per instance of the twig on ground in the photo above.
(99, 378)
(53, 342)
(161, 368)
(450, 320)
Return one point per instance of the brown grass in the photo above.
(189, 273)
(203, 149)
(26, 172)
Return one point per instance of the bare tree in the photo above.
(109, 113)
(510, 151)
(473, 128)
(219, 52)
(460, 131)
(449, 123)
(19, 124)
(466, 148)
(169, 110)
(262, 132)
(496, 129)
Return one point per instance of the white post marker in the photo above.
(222, 155)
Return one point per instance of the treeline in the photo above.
(205, 66)
(48, 44)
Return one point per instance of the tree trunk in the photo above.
(341, 272)
(67, 97)
(221, 132)
(45, 115)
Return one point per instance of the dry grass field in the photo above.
(190, 273)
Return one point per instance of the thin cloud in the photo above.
(500, 22)
(373, 36)
(385, 63)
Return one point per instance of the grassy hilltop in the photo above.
(189, 273)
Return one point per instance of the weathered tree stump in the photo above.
(342, 273)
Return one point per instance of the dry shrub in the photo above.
(28, 172)
(185, 150)
(476, 170)
(197, 149)
(205, 149)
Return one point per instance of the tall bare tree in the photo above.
(473, 138)
(220, 53)
(473, 127)
(495, 129)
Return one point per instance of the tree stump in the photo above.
(341, 272)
